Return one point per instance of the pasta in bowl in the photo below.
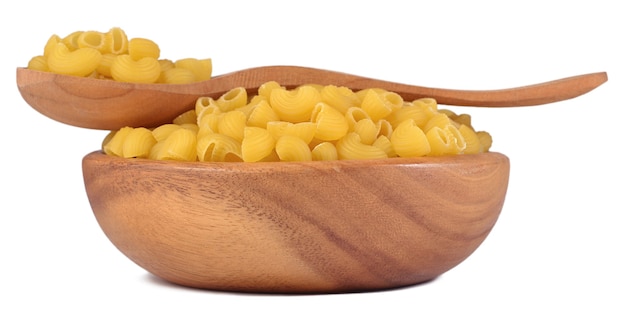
(299, 226)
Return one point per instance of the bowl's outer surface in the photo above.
(297, 227)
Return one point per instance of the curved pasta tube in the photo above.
(180, 145)
(92, 39)
(186, 117)
(418, 111)
(51, 45)
(232, 99)
(201, 69)
(325, 151)
(139, 48)
(380, 104)
(232, 124)
(177, 76)
(138, 143)
(485, 140)
(71, 40)
(204, 106)
(80, 62)
(38, 63)
(257, 144)
(384, 128)
(114, 144)
(303, 130)
(340, 98)
(354, 115)
(291, 148)
(351, 147)
(440, 120)
(162, 132)
(261, 114)
(209, 123)
(116, 41)
(409, 140)
(265, 90)
(104, 68)
(294, 105)
(367, 131)
(145, 70)
(330, 123)
(472, 141)
(383, 143)
(218, 148)
(445, 141)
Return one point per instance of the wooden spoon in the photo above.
(110, 105)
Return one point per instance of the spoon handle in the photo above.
(536, 94)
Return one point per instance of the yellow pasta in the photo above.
(445, 141)
(104, 68)
(294, 105)
(201, 69)
(325, 151)
(38, 63)
(340, 98)
(138, 48)
(292, 148)
(92, 39)
(237, 127)
(351, 147)
(180, 145)
(303, 130)
(51, 45)
(177, 76)
(218, 148)
(116, 41)
(257, 144)
(138, 143)
(145, 70)
(262, 113)
(232, 99)
(330, 123)
(409, 140)
(380, 104)
(71, 40)
(79, 62)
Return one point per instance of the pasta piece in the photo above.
(291, 148)
(38, 63)
(138, 143)
(420, 112)
(325, 151)
(79, 62)
(440, 120)
(232, 124)
(116, 41)
(115, 143)
(383, 143)
(367, 131)
(218, 148)
(409, 140)
(262, 113)
(201, 69)
(265, 90)
(162, 132)
(330, 123)
(445, 141)
(303, 130)
(138, 48)
(104, 68)
(380, 104)
(209, 123)
(485, 140)
(340, 98)
(71, 40)
(180, 145)
(145, 70)
(177, 76)
(186, 117)
(472, 141)
(204, 106)
(351, 147)
(384, 128)
(232, 99)
(294, 105)
(92, 39)
(51, 45)
(354, 115)
(257, 144)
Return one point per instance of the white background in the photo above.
(554, 260)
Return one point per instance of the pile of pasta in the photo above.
(309, 122)
(112, 55)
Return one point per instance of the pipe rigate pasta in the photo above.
(93, 53)
(251, 129)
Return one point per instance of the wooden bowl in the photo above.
(297, 227)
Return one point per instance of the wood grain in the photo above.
(302, 227)
(110, 105)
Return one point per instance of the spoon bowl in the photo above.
(297, 227)
(111, 105)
